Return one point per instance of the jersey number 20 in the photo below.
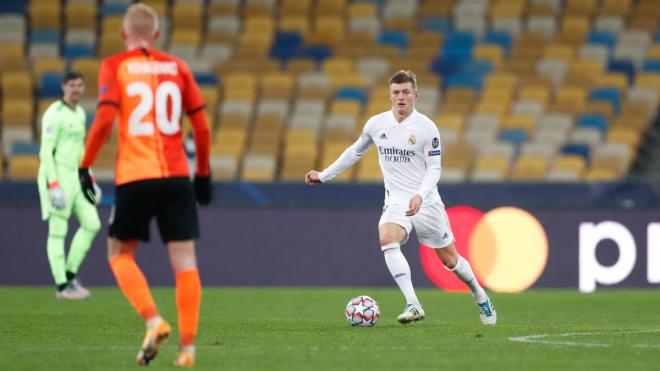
(165, 91)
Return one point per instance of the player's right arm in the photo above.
(348, 158)
(49, 134)
(108, 108)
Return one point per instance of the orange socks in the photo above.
(132, 283)
(188, 298)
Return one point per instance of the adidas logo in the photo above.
(383, 136)
(445, 236)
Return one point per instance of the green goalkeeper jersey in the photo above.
(62, 147)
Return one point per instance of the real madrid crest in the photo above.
(412, 140)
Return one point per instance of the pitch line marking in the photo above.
(537, 339)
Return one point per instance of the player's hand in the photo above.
(312, 177)
(56, 195)
(90, 190)
(414, 205)
(203, 189)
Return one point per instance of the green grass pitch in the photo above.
(305, 329)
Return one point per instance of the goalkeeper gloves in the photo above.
(90, 189)
(56, 195)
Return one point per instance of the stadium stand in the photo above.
(521, 90)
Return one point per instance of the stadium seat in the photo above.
(258, 168)
(23, 167)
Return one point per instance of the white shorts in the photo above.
(431, 223)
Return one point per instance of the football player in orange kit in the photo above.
(148, 91)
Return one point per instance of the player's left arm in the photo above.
(432, 154)
(193, 105)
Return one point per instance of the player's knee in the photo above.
(57, 227)
(92, 225)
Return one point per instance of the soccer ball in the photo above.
(362, 311)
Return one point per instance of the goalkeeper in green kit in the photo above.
(62, 146)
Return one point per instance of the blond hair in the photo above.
(140, 21)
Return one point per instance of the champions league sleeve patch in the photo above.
(434, 152)
(435, 142)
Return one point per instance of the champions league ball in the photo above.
(362, 311)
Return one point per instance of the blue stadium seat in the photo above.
(593, 121)
(515, 136)
(651, 65)
(45, 37)
(602, 37)
(51, 85)
(611, 95)
(438, 24)
(478, 67)
(77, 51)
(286, 45)
(500, 38)
(445, 66)
(461, 39)
(396, 38)
(24, 148)
(206, 79)
(13, 6)
(89, 119)
(316, 52)
(351, 93)
(579, 149)
(624, 66)
(108, 9)
(462, 79)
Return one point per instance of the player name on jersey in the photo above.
(152, 68)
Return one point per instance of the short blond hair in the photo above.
(140, 21)
(404, 76)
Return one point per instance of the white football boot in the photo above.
(487, 312)
(412, 312)
(75, 285)
(69, 294)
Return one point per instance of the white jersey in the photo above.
(408, 152)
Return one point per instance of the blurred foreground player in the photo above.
(62, 145)
(408, 145)
(149, 91)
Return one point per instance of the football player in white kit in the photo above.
(408, 145)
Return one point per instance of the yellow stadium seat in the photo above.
(654, 51)
(600, 108)
(572, 163)
(497, 109)
(111, 24)
(489, 52)
(265, 142)
(295, 165)
(297, 67)
(580, 7)
(111, 43)
(23, 167)
(222, 7)
(107, 155)
(630, 137)
(352, 79)
(503, 9)
(262, 8)
(561, 52)
(350, 108)
(613, 80)
(11, 52)
(501, 80)
(259, 24)
(436, 8)
(576, 96)
(529, 168)
(81, 16)
(159, 6)
(523, 122)
(89, 67)
(269, 122)
(184, 36)
(17, 85)
(497, 164)
(576, 24)
(240, 86)
(332, 151)
(496, 96)
(647, 79)
(535, 93)
(330, 7)
(234, 122)
(450, 121)
(359, 10)
(294, 23)
(338, 66)
(277, 85)
(295, 7)
(368, 170)
(616, 7)
(327, 30)
(229, 142)
(17, 112)
(601, 174)
(44, 15)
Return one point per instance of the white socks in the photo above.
(400, 270)
(463, 270)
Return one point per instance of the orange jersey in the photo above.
(151, 91)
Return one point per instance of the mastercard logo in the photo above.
(507, 248)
